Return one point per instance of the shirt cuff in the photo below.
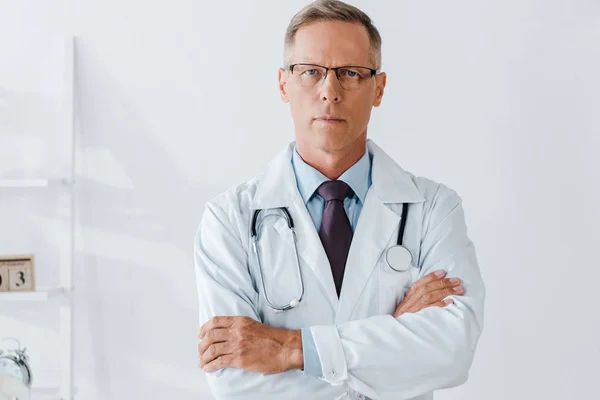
(312, 363)
(331, 354)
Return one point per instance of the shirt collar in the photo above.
(358, 176)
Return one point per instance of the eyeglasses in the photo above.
(350, 77)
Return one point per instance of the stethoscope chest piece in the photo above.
(398, 258)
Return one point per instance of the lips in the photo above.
(329, 118)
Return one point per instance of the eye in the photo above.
(313, 72)
(350, 73)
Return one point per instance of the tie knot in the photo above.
(333, 190)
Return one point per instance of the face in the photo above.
(328, 116)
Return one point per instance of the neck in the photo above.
(332, 164)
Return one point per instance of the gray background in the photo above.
(178, 101)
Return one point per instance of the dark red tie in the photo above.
(335, 231)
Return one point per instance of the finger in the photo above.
(430, 293)
(430, 277)
(438, 295)
(410, 298)
(213, 351)
(221, 362)
(443, 303)
(213, 336)
(215, 322)
(409, 301)
(441, 284)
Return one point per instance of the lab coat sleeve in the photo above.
(420, 352)
(226, 289)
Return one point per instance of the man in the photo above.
(355, 328)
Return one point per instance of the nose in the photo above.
(331, 89)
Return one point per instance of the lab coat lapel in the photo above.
(311, 250)
(277, 187)
(376, 226)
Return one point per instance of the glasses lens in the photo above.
(353, 77)
(309, 75)
(349, 77)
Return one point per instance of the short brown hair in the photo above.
(332, 10)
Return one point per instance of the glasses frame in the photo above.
(335, 69)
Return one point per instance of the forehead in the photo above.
(332, 43)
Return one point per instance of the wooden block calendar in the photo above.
(17, 273)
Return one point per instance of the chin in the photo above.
(330, 139)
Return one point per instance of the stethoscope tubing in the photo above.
(295, 301)
(290, 223)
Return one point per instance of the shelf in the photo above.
(39, 295)
(44, 393)
(47, 393)
(33, 183)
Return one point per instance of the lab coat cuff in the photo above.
(331, 354)
(312, 364)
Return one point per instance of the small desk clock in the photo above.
(15, 363)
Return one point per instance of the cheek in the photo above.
(297, 111)
(361, 110)
(301, 106)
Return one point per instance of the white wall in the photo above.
(496, 99)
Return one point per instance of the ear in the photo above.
(381, 80)
(282, 78)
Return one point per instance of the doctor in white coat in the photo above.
(360, 329)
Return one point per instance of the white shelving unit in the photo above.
(41, 294)
(32, 183)
(64, 389)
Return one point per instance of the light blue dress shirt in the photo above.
(358, 177)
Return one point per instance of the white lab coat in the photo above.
(364, 351)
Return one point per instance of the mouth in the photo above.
(328, 119)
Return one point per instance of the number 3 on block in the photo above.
(20, 278)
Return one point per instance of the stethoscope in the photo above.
(397, 257)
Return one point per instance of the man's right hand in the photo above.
(429, 291)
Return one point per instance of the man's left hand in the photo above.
(242, 342)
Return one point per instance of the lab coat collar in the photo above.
(277, 185)
(391, 183)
